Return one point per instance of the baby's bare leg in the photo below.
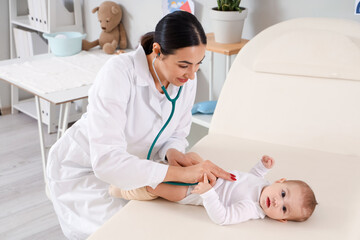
(135, 194)
(194, 156)
(169, 192)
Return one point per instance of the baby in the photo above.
(249, 197)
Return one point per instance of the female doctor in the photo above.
(127, 108)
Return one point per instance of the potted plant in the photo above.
(228, 21)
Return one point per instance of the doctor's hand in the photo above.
(195, 173)
(176, 158)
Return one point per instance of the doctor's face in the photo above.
(181, 66)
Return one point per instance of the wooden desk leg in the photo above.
(41, 135)
(211, 75)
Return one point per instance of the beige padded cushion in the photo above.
(312, 53)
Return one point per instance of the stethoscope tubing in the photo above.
(173, 102)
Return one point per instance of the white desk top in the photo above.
(41, 75)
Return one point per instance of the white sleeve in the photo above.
(224, 215)
(259, 170)
(178, 138)
(108, 102)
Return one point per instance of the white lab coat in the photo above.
(109, 144)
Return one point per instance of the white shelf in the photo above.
(57, 18)
(202, 119)
(24, 21)
(29, 108)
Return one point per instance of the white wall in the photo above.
(141, 16)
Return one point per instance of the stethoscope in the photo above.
(173, 102)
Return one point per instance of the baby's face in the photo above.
(282, 201)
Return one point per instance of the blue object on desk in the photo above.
(65, 43)
(207, 107)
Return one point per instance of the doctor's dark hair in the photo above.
(174, 31)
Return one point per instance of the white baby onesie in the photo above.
(233, 202)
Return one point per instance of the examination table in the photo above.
(293, 92)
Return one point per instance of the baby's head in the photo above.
(291, 200)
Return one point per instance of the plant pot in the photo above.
(228, 25)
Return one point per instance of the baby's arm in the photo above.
(218, 213)
(263, 166)
(202, 187)
(224, 215)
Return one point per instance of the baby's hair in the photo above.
(309, 200)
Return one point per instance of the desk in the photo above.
(79, 70)
(227, 50)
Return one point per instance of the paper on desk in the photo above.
(54, 74)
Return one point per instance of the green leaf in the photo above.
(224, 8)
(229, 5)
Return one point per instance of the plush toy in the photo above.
(113, 32)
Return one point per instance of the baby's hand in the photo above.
(202, 187)
(267, 161)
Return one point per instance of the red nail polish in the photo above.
(232, 175)
(233, 178)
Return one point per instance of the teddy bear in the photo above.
(113, 32)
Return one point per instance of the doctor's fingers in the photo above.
(219, 172)
(211, 179)
(191, 161)
(186, 162)
(195, 158)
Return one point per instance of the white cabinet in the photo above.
(55, 18)
(36, 17)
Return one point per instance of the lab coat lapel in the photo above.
(154, 101)
(144, 79)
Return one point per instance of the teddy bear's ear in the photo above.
(114, 10)
(95, 10)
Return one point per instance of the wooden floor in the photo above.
(25, 211)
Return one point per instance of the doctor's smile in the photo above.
(183, 80)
